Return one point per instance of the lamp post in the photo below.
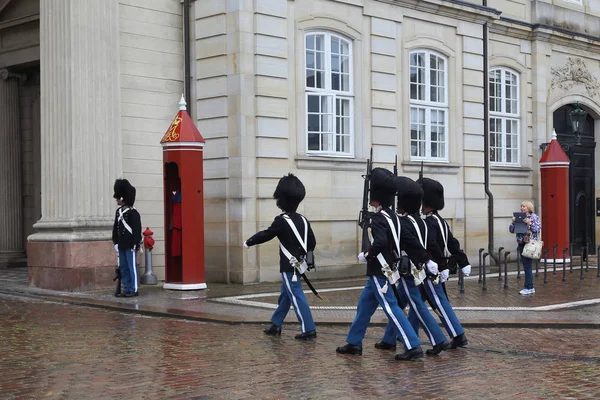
(578, 116)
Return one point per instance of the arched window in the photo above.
(329, 95)
(505, 117)
(428, 106)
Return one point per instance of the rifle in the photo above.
(364, 214)
(421, 171)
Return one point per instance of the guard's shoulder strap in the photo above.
(422, 239)
(395, 232)
(303, 243)
(444, 232)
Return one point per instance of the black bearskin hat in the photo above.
(289, 193)
(410, 194)
(383, 186)
(433, 193)
(124, 190)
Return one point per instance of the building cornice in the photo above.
(544, 33)
(456, 9)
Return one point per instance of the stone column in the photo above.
(11, 199)
(80, 142)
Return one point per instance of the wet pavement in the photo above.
(54, 350)
(574, 303)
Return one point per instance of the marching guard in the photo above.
(433, 202)
(127, 237)
(410, 195)
(381, 257)
(296, 240)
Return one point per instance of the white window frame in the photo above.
(504, 117)
(430, 106)
(331, 94)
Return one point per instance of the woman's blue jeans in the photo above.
(527, 268)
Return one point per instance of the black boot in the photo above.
(438, 348)
(459, 341)
(350, 349)
(306, 335)
(385, 346)
(273, 330)
(410, 355)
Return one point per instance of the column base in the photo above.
(71, 266)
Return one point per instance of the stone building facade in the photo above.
(278, 86)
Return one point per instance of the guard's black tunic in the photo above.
(280, 229)
(453, 243)
(383, 242)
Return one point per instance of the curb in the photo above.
(134, 308)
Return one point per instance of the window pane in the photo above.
(310, 42)
(345, 45)
(335, 63)
(310, 60)
(319, 42)
(313, 104)
(345, 83)
(495, 96)
(313, 142)
(335, 45)
(310, 78)
(313, 123)
(438, 136)
(417, 132)
(320, 79)
(437, 79)
(417, 76)
(335, 82)
(320, 60)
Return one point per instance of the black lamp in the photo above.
(578, 116)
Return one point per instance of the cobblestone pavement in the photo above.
(575, 302)
(61, 351)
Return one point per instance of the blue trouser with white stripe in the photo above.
(292, 294)
(418, 314)
(128, 268)
(372, 296)
(448, 317)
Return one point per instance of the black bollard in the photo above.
(564, 279)
(480, 251)
(554, 261)
(537, 267)
(571, 258)
(546, 265)
(506, 269)
(484, 280)
(587, 257)
(500, 263)
(581, 262)
(518, 263)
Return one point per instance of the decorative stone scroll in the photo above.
(572, 73)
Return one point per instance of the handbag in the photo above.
(533, 249)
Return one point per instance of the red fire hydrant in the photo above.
(148, 278)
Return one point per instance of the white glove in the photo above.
(466, 270)
(432, 267)
(362, 258)
(117, 248)
(246, 245)
(444, 275)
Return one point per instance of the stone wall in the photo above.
(151, 57)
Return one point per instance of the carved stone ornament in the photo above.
(572, 73)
